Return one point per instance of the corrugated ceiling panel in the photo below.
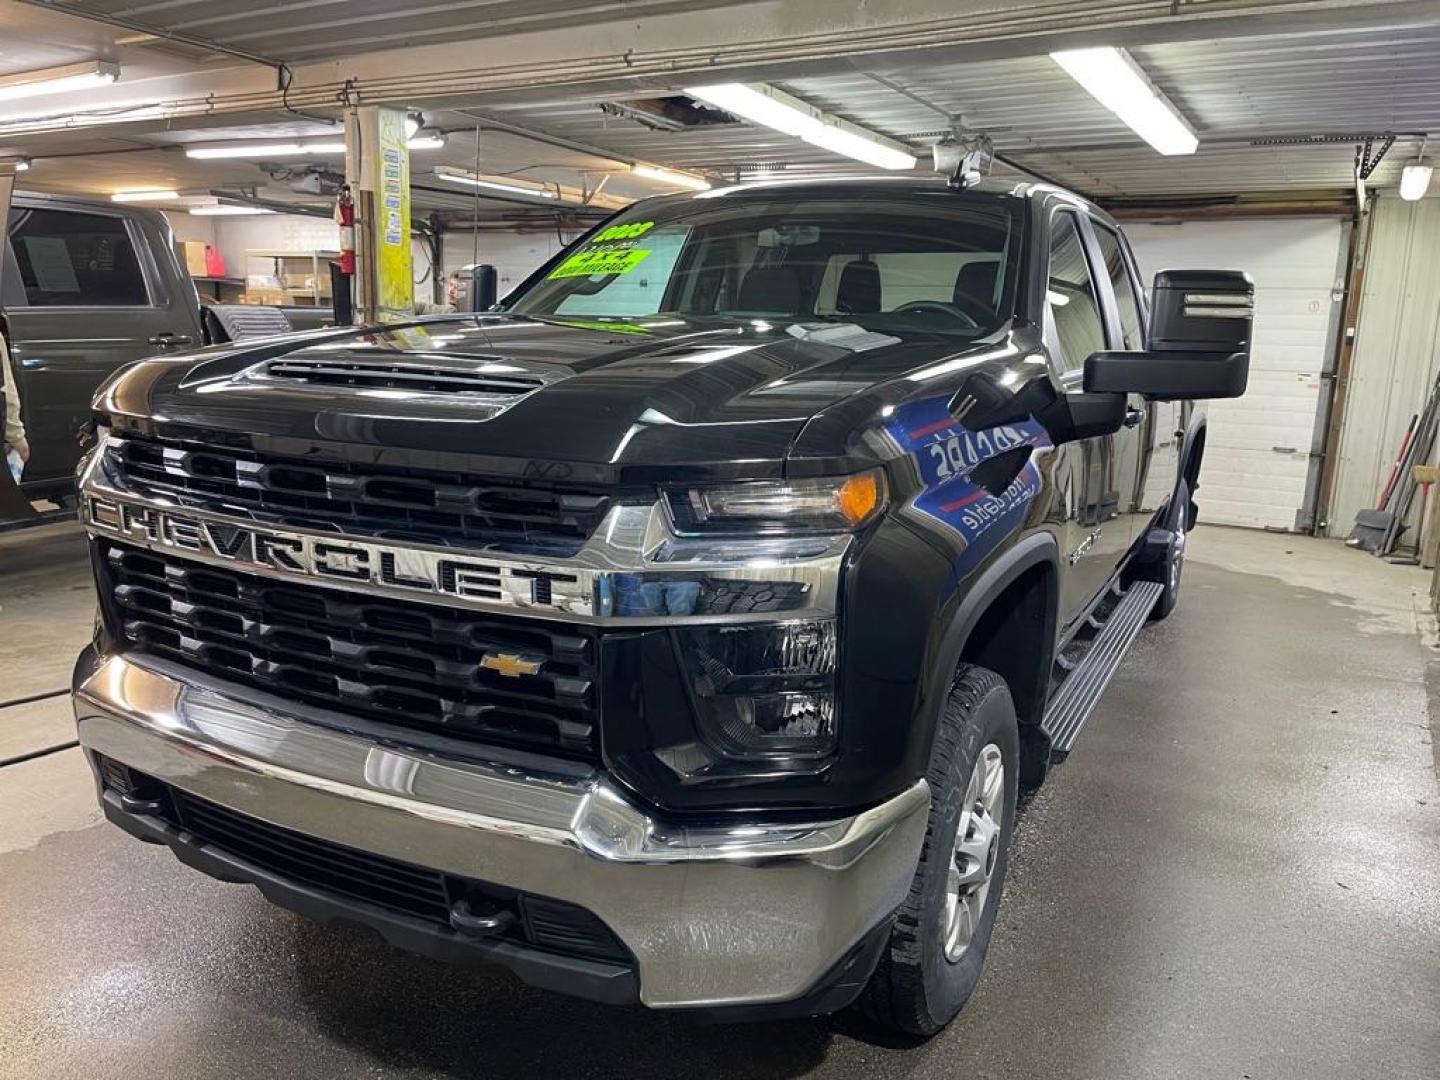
(331, 28)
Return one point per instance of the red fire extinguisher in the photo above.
(345, 218)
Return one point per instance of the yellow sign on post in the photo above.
(385, 215)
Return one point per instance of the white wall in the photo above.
(1259, 470)
(189, 227)
(1397, 350)
(284, 232)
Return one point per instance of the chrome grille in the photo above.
(413, 666)
(371, 500)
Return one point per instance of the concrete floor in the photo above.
(1236, 875)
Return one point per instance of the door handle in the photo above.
(1133, 417)
(167, 339)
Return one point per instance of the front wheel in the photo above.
(933, 960)
(1168, 574)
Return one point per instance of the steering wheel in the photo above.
(955, 311)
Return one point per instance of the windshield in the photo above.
(940, 264)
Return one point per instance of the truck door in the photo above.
(1094, 478)
(84, 296)
(1148, 451)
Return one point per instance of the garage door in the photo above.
(1258, 451)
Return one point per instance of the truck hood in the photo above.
(654, 398)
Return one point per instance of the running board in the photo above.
(1078, 695)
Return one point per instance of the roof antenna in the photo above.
(966, 160)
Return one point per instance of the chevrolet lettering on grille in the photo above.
(325, 559)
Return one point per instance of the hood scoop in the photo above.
(421, 378)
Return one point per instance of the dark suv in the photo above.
(682, 631)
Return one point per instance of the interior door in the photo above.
(1096, 478)
(80, 305)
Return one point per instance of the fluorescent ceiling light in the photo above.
(18, 164)
(262, 151)
(225, 210)
(153, 195)
(1415, 180)
(772, 108)
(59, 80)
(1112, 78)
(254, 150)
(509, 185)
(673, 177)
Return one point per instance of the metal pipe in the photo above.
(557, 141)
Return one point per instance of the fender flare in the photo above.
(1037, 549)
(1191, 455)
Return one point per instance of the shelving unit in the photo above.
(222, 289)
(302, 277)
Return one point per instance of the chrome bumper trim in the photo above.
(748, 914)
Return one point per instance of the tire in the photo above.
(921, 982)
(1169, 572)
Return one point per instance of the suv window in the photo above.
(76, 260)
(1131, 319)
(1070, 299)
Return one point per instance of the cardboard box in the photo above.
(192, 254)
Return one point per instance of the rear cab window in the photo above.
(70, 259)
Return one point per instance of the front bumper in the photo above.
(716, 917)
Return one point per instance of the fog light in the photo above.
(764, 690)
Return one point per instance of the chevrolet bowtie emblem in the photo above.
(511, 664)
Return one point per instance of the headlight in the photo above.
(763, 691)
(824, 505)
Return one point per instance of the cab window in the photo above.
(76, 260)
(1071, 304)
(1132, 320)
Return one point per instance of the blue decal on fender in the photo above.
(945, 452)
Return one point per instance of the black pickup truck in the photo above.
(87, 287)
(681, 632)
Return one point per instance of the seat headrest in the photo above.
(976, 282)
(770, 288)
(859, 289)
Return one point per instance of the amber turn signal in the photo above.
(860, 496)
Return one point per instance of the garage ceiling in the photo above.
(327, 29)
(1242, 73)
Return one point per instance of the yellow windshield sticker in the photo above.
(624, 232)
(609, 252)
(594, 261)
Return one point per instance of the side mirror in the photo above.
(478, 287)
(982, 403)
(1200, 323)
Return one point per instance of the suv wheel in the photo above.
(937, 947)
